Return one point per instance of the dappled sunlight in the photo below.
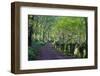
(57, 37)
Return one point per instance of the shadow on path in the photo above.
(47, 52)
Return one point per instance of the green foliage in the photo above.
(37, 44)
(61, 29)
(73, 28)
(32, 53)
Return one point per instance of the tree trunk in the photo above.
(30, 36)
